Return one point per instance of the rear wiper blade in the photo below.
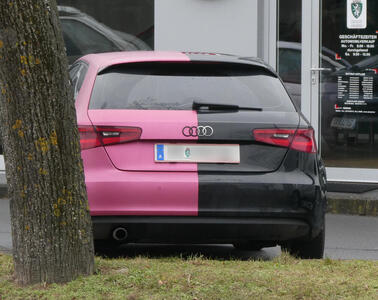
(215, 106)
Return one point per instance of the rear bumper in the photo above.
(202, 207)
(201, 229)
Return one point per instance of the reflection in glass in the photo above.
(290, 47)
(97, 26)
(162, 86)
(349, 94)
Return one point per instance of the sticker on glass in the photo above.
(356, 14)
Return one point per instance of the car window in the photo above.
(81, 39)
(73, 70)
(175, 86)
(81, 75)
(77, 74)
(290, 65)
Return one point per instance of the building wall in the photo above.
(225, 26)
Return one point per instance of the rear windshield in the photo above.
(175, 86)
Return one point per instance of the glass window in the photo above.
(77, 75)
(81, 75)
(73, 70)
(289, 59)
(82, 39)
(175, 86)
(349, 90)
(290, 65)
(102, 26)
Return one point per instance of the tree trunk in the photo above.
(51, 226)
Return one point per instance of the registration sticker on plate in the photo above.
(194, 153)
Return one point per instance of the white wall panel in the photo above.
(226, 26)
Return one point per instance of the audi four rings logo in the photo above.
(197, 131)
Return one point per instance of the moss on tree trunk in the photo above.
(51, 227)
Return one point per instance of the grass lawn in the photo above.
(201, 278)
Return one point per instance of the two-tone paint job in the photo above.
(126, 187)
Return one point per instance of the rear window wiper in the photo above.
(223, 107)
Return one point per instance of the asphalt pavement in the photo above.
(347, 237)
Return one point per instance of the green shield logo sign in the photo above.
(187, 152)
(356, 9)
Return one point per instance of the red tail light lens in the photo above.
(116, 135)
(304, 141)
(91, 137)
(298, 139)
(88, 137)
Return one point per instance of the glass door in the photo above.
(343, 85)
(289, 46)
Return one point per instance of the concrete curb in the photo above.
(363, 204)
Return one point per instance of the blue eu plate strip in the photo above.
(160, 152)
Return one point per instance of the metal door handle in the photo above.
(314, 76)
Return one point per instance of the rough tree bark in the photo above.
(51, 226)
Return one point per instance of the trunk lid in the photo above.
(166, 127)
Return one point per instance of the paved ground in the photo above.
(347, 237)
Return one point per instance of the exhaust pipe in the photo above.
(120, 234)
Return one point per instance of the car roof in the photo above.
(105, 60)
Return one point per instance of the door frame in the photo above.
(310, 61)
(311, 104)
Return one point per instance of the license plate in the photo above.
(194, 153)
(343, 123)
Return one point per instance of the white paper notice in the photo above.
(356, 14)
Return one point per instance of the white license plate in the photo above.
(195, 153)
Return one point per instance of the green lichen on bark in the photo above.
(41, 147)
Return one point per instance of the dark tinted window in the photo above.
(174, 86)
(290, 65)
(81, 39)
(93, 26)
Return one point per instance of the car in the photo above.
(191, 147)
(83, 34)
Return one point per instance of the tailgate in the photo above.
(167, 129)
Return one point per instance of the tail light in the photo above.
(88, 137)
(91, 137)
(298, 139)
